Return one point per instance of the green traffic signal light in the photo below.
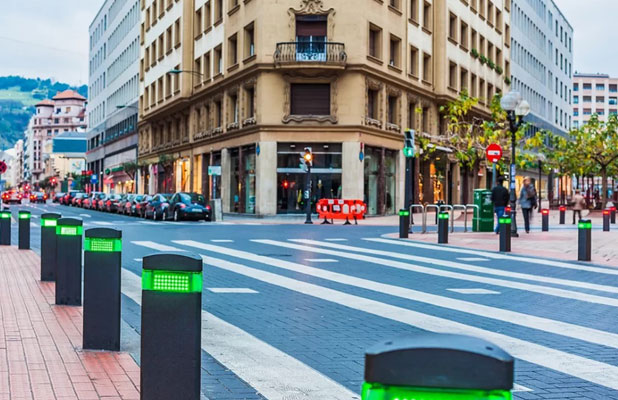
(377, 391)
(408, 152)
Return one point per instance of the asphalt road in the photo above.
(288, 310)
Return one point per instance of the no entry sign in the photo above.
(494, 153)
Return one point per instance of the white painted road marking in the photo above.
(336, 240)
(580, 367)
(102, 223)
(273, 373)
(472, 259)
(156, 246)
(85, 215)
(232, 290)
(148, 222)
(545, 290)
(137, 259)
(321, 260)
(473, 291)
(465, 267)
(513, 317)
(222, 241)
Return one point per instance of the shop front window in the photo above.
(242, 199)
(380, 177)
(432, 179)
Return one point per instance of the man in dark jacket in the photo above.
(500, 198)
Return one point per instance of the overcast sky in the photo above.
(49, 38)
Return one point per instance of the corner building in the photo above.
(262, 79)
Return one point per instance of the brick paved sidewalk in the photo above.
(40, 343)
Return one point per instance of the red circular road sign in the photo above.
(2, 167)
(494, 153)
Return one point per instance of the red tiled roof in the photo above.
(46, 102)
(67, 95)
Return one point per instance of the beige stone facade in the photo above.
(262, 79)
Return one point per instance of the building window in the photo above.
(452, 76)
(575, 112)
(249, 40)
(234, 107)
(218, 11)
(427, 68)
(207, 16)
(613, 101)
(197, 67)
(463, 79)
(177, 33)
(372, 104)
(452, 27)
(414, 61)
(207, 65)
(575, 99)
(473, 91)
(395, 52)
(427, 16)
(394, 4)
(600, 86)
(168, 40)
(218, 114)
(587, 86)
(375, 41)
(168, 85)
(463, 34)
(600, 99)
(412, 115)
(218, 61)
(613, 88)
(161, 46)
(232, 46)
(160, 90)
(587, 99)
(414, 10)
(393, 103)
(250, 102)
(473, 39)
(426, 120)
(309, 99)
(177, 81)
(198, 29)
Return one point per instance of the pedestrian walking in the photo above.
(527, 201)
(500, 199)
(579, 203)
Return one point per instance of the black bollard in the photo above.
(5, 228)
(102, 258)
(505, 233)
(584, 242)
(606, 218)
(545, 220)
(69, 262)
(171, 327)
(437, 366)
(23, 242)
(404, 223)
(48, 246)
(562, 214)
(443, 227)
(613, 214)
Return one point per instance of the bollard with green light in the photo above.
(102, 263)
(443, 227)
(5, 227)
(505, 233)
(23, 242)
(584, 240)
(433, 366)
(171, 327)
(48, 246)
(404, 223)
(69, 233)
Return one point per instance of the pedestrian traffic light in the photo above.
(408, 143)
(285, 184)
(306, 160)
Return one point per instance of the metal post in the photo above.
(606, 218)
(505, 233)
(584, 242)
(5, 228)
(443, 227)
(23, 242)
(171, 327)
(48, 246)
(562, 214)
(69, 262)
(437, 366)
(307, 195)
(545, 220)
(404, 223)
(613, 214)
(102, 256)
(512, 172)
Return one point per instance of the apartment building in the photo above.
(114, 92)
(593, 94)
(542, 56)
(247, 85)
(65, 112)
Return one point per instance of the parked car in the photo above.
(140, 206)
(90, 202)
(96, 201)
(130, 207)
(111, 202)
(185, 205)
(77, 200)
(157, 206)
(56, 198)
(11, 196)
(126, 204)
(38, 197)
(68, 197)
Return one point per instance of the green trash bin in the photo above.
(483, 220)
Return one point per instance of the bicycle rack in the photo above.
(476, 210)
(412, 207)
(427, 207)
(458, 207)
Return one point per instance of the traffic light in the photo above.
(408, 143)
(306, 160)
(285, 184)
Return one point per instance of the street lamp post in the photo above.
(516, 109)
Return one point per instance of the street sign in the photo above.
(3, 167)
(94, 179)
(494, 153)
(214, 170)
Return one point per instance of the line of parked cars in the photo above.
(15, 196)
(160, 206)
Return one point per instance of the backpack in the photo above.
(531, 195)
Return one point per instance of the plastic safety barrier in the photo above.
(341, 209)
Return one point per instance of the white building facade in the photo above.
(542, 62)
(114, 92)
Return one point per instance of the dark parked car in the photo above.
(140, 206)
(185, 205)
(68, 197)
(38, 197)
(77, 200)
(157, 206)
(92, 201)
(125, 203)
(111, 202)
(57, 197)
(130, 207)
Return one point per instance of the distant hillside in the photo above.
(18, 96)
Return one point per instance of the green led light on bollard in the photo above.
(24, 215)
(376, 391)
(49, 223)
(102, 245)
(584, 225)
(505, 220)
(69, 230)
(404, 213)
(443, 216)
(5, 215)
(172, 281)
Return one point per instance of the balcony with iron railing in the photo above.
(311, 54)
